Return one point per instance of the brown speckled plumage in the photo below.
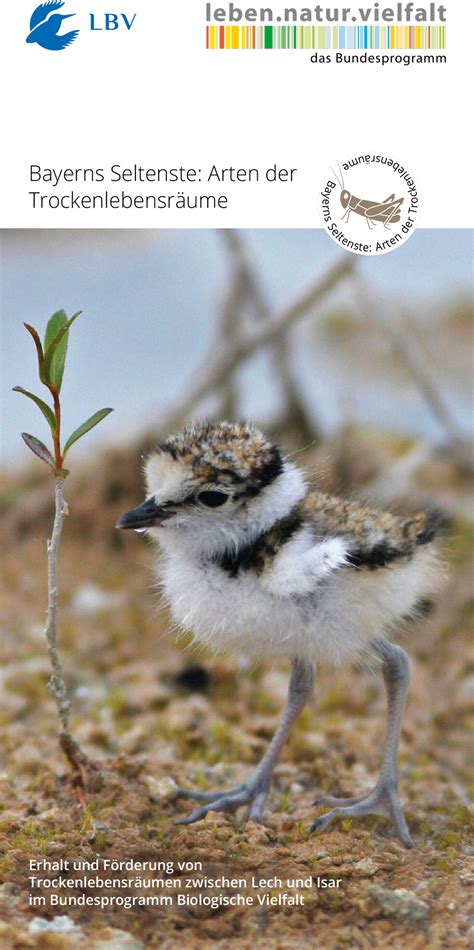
(378, 537)
(229, 453)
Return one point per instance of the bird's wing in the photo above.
(42, 11)
(297, 566)
(68, 38)
(373, 538)
(336, 535)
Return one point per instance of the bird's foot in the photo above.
(383, 800)
(253, 792)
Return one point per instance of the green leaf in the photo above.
(45, 409)
(55, 324)
(85, 427)
(39, 349)
(53, 348)
(38, 448)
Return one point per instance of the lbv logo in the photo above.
(46, 23)
(44, 29)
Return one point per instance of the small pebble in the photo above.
(402, 904)
(366, 867)
(161, 790)
(59, 925)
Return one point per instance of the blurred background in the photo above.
(153, 303)
(365, 369)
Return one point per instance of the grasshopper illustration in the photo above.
(386, 211)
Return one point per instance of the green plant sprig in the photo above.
(51, 361)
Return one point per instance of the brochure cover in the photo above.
(236, 690)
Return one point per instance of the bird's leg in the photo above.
(383, 799)
(254, 791)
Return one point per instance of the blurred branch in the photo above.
(405, 346)
(218, 366)
(244, 270)
(395, 480)
(241, 291)
(246, 288)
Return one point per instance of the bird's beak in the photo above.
(66, 16)
(147, 515)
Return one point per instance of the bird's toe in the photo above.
(333, 802)
(253, 792)
(323, 822)
(383, 800)
(226, 804)
(194, 795)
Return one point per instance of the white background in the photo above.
(157, 97)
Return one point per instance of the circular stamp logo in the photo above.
(369, 204)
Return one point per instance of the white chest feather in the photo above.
(330, 618)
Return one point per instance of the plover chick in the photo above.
(254, 562)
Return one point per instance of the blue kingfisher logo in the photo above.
(44, 29)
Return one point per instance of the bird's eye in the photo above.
(212, 499)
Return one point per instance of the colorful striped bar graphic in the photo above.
(326, 37)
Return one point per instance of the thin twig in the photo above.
(57, 686)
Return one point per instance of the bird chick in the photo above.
(253, 561)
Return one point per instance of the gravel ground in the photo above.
(150, 710)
